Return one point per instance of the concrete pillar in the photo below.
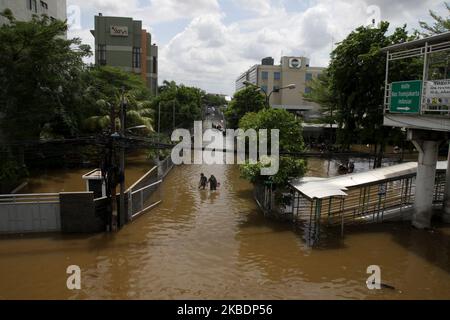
(446, 214)
(425, 182)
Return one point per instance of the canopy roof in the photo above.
(439, 38)
(317, 188)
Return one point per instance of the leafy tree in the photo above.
(105, 89)
(357, 77)
(214, 100)
(439, 62)
(185, 101)
(322, 95)
(440, 24)
(291, 138)
(40, 78)
(291, 141)
(249, 99)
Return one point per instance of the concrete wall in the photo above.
(81, 214)
(29, 214)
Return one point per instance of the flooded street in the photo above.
(202, 245)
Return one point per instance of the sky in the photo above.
(209, 43)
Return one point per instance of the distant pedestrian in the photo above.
(203, 182)
(213, 183)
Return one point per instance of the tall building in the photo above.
(121, 42)
(23, 10)
(292, 70)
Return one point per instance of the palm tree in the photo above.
(108, 86)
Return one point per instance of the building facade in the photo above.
(24, 10)
(291, 70)
(122, 43)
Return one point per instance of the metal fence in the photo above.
(144, 199)
(146, 193)
(164, 167)
(264, 198)
(30, 213)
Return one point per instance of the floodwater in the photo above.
(202, 245)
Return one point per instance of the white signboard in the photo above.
(438, 92)
(118, 31)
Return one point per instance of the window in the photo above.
(154, 86)
(309, 77)
(265, 75)
(308, 90)
(102, 54)
(155, 65)
(264, 88)
(277, 75)
(32, 5)
(137, 57)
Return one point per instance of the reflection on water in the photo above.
(70, 180)
(199, 244)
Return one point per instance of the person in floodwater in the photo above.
(203, 182)
(213, 183)
(351, 167)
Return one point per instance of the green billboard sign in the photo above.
(406, 97)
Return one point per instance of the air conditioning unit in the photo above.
(295, 63)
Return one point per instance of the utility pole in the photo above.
(159, 119)
(122, 157)
(112, 172)
(173, 114)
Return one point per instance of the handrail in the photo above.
(147, 187)
(29, 195)
(130, 189)
(24, 203)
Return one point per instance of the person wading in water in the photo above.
(203, 182)
(213, 183)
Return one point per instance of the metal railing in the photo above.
(29, 198)
(145, 194)
(164, 167)
(143, 199)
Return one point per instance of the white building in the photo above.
(23, 10)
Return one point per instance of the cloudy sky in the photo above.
(208, 43)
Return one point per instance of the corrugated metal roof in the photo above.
(316, 188)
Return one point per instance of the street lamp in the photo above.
(268, 96)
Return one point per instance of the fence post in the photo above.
(130, 205)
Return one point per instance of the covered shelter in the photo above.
(368, 197)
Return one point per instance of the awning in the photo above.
(316, 188)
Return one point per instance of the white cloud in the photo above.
(155, 11)
(262, 7)
(210, 53)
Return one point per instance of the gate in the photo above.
(30, 213)
(144, 199)
(144, 194)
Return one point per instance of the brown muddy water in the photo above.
(202, 245)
